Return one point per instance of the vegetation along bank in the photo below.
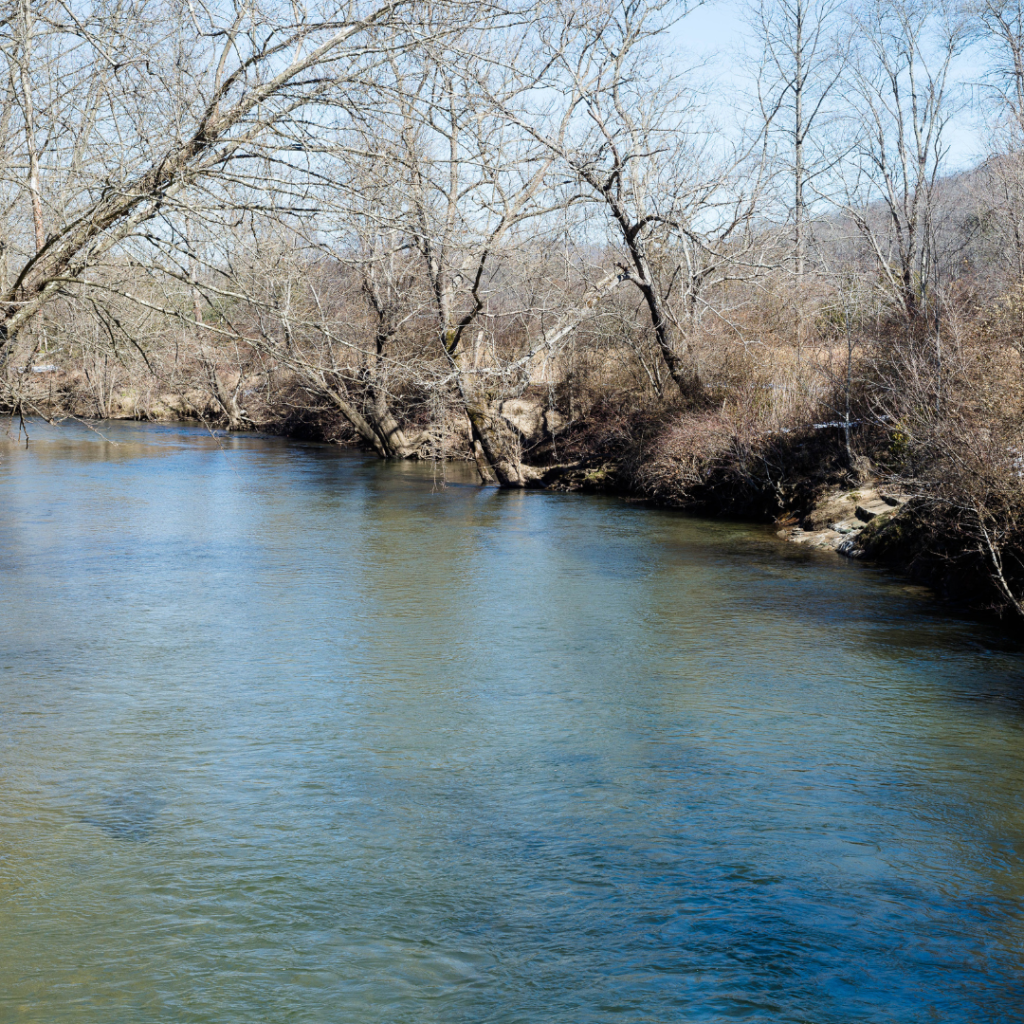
(450, 230)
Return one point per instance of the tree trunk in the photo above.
(356, 419)
(228, 401)
(680, 366)
(507, 468)
(395, 442)
(35, 192)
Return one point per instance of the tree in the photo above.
(903, 99)
(158, 98)
(800, 64)
(679, 199)
(464, 191)
(1003, 34)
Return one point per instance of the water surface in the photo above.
(291, 735)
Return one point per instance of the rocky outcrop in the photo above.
(837, 522)
(531, 420)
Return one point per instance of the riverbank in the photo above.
(807, 482)
(822, 495)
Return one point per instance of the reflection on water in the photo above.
(126, 815)
(287, 734)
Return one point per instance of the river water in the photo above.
(291, 735)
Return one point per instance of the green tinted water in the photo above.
(287, 734)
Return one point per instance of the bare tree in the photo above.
(473, 194)
(903, 98)
(678, 198)
(203, 89)
(800, 64)
(1003, 35)
(799, 67)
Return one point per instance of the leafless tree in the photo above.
(902, 100)
(154, 100)
(799, 67)
(1003, 184)
(678, 199)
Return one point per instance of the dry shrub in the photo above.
(682, 456)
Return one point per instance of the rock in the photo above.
(825, 540)
(850, 522)
(851, 548)
(833, 509)
(554, 422)
(531, 419)
(837, 507)
(869, 510)
(797, 536)
(847, 526)
(526, 417)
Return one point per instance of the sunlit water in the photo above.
(289, 735)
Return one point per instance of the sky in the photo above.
(717, 31)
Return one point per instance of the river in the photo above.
(288, 734)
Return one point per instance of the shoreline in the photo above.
(870, 520)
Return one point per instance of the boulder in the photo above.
(869, 510)
(846, 526)
(851, 548)
(531, 419)
(837, 507)
(833, 509)
(554, 421)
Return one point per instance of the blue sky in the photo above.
(718, 31)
